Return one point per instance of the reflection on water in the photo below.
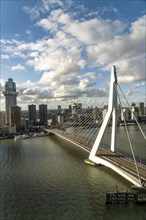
(46, 178)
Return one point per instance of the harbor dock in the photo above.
(125, 197)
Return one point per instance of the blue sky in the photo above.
(55, 49)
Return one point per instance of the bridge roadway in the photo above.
(117, 159)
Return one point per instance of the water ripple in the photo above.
(46, 178)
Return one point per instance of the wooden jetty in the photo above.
(125, 197)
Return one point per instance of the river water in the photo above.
(46, 179)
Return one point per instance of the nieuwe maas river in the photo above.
(46, 178)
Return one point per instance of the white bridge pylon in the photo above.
(112, 112)
(112, 107)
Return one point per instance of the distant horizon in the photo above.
(67, 107)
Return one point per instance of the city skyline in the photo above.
(57, 50)
(11, 94)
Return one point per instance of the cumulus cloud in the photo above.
(65, 74)
(61, 57)
(17, 68)
(95, 31)
(11, 48)
(45, 6)
(32, 12)
(74, 49)
(54, 21)
(126, 51)
(4, 57)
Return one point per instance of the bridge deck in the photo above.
(117, 159)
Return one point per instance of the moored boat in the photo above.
(90, 162)
(40, 134)
(21, 136)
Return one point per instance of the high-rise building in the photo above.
(141, 108)
(69, 108)
(15, 116)
(43, 114)
(79, 106)
(134, 112)
(145, 110)
(32, 112)
(10, 98)
(59, 109)
(74, 108)
(125, 114)
(60, 118)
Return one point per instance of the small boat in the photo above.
(90, 162)
(21, 137)
(40, 134)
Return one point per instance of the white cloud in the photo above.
(66, 73)
(137, 85)
(34, 54)
(28, 32)
(5, 57)
(17, 35)
(2, 83)
(101, 39)
(54, 21)
(74, 49)
(84, 84)
(11, 48)
(17, 68)
(44, 6)
(32, 12)
(126, 51)
(56, 57)
(95, 31)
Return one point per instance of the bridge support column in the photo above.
(114, 120)
(112, 111)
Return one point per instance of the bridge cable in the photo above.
(88, 112)
(130, 143)
(131, 111)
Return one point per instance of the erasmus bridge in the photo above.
(88, 134)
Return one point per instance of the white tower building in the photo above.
(10, 98)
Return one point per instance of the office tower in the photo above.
(32, 112)
(15, 116)
(74, 108)
(60, 118)
(79, 106)
(10, 98)
(134, 112)
(125, 114)
(141, 108)
(59, 109)
(69, 108)
(43, 114)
